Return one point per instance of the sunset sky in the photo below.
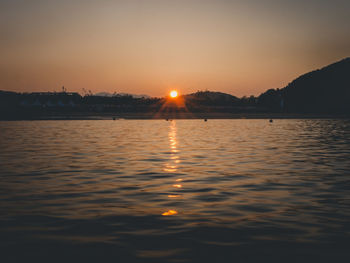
(241, 47)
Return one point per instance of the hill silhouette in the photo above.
(326, 90)
(211, 98)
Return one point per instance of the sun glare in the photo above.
(173, 94)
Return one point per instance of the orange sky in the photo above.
(152, 46)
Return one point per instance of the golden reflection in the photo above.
(172, 165)
(170, 213)
(169, 170)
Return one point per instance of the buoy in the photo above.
(205, 120)
(271, 120)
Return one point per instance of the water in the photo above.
(176, 191)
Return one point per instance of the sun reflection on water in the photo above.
(172, 165)
(170, 213)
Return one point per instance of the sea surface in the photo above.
(175, 191)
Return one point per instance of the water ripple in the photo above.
(178, 191)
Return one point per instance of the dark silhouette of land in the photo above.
(323, 92)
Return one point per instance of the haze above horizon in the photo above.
(151, 47)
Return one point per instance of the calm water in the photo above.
(176, 191)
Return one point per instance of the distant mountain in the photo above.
(211, 97)
(326, 90)
(107, 94)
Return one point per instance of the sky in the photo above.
(241, 47)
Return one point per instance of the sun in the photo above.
(173, 94)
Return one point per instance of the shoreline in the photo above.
(163, 116)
